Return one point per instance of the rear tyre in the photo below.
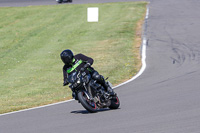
(114, 103)
(86, 103)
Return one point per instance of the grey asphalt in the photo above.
(164, 99)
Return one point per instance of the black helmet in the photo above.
(67, 56)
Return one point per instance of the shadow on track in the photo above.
(86, 112)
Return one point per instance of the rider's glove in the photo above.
(85, 66)
(65, 83)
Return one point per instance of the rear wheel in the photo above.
(114, 103)
(87, 103)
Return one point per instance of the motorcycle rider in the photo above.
(81, 63)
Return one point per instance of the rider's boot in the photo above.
(100, 79)
(109, 89)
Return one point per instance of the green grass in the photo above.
(32, 38)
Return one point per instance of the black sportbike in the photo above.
(62, 1)
(90, 94)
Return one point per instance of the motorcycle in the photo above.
(90, 94)
(61, 1)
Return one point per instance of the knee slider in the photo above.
(97, 76)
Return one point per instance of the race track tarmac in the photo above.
(164, 99)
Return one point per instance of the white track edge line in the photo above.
(144, 44)
(37, 107)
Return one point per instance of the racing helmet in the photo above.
(67, 56)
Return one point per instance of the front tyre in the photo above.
(87, 103)
(114, 103)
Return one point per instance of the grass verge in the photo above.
(33, 37)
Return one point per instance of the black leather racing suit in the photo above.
(82, 60)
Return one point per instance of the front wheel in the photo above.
(114, 103)
(87, 103)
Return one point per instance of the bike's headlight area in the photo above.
(78, 82)
(86, 79)
(73, 85)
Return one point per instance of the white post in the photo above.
(92, 14)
